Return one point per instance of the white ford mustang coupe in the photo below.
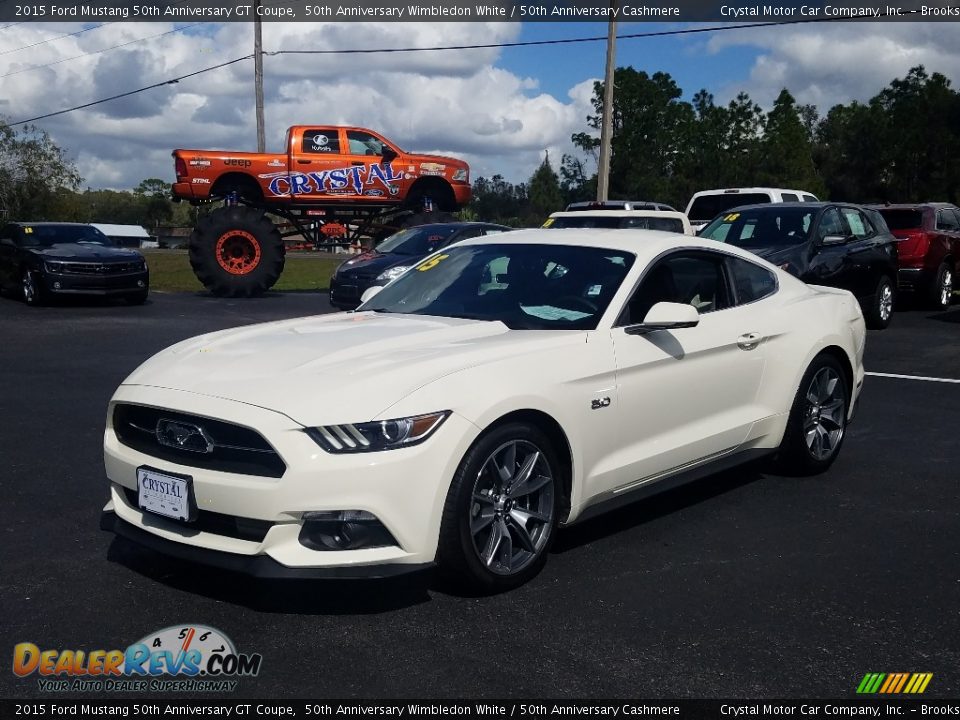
(494, 392)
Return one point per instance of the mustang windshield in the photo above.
(529, 287)
(775, 225)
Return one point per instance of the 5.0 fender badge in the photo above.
(599, 403)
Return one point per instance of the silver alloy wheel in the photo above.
(826, 411)
(946, 289)
(886, 302)
(511, 507)
(29, 288)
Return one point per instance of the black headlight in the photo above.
(53, 267)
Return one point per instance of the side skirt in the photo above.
(673, 479)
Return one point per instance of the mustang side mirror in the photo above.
(370, 292)
(833, 240)
(388, 154)
(666, 316)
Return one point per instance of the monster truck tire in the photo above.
(426, 218)
(236, 252)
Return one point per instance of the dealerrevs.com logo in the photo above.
(185, 658)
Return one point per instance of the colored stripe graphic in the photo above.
(894, 683)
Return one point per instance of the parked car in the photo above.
(591, 205)
(396, 254)
(665, 220)
(705, 205)
(840, 245)
(462, 418)
(929, 249)
(46, 259)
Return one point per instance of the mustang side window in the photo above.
(694, 279)
(750, 281)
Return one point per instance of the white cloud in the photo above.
(456, 102)
(837, 62)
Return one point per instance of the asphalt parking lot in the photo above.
(745, 584)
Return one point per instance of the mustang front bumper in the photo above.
(255, 524)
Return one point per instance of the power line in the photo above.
(58, 37)
(561, 41)
(97, 52)
(133, 92)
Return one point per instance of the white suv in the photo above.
(705, 205)
(666, 220)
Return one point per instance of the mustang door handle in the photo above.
(304, 162)
(748, 341)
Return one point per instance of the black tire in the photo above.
(435, 188)
(32, 288)
(427, 218)
(458, 556)
(137, 298)
(940, 292)
(796, 456)
(237, 252)
(878, 308)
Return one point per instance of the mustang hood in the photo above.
(335, 368)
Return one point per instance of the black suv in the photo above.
(45, 259)
(845, 246)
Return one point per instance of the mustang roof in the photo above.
(643, 243)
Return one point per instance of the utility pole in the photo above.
(258, 75)
(606, 127)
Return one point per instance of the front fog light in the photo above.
(344, 530)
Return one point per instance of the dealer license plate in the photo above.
(165, 494)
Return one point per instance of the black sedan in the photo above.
(397, 253)
(845, 246)
(45, 259)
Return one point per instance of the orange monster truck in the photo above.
(333, 181)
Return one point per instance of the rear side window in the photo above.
(947, 220)
(903, 219)
(654, 223)
(859, 225)
(707, 207)
(751, 282)
(789, 197)
(321, 141)
(808, 198)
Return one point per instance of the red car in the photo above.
(929, 250)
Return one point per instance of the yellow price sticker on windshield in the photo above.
(731, 217)
(28, 230)
(548, 223)
(432, 263)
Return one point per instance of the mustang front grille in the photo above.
(196, 441)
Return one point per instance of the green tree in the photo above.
(545, 193)
(651, 127)
(787, 154)
(33, 170)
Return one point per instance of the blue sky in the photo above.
(558, 67)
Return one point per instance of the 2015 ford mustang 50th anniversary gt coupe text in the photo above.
(495, 391)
